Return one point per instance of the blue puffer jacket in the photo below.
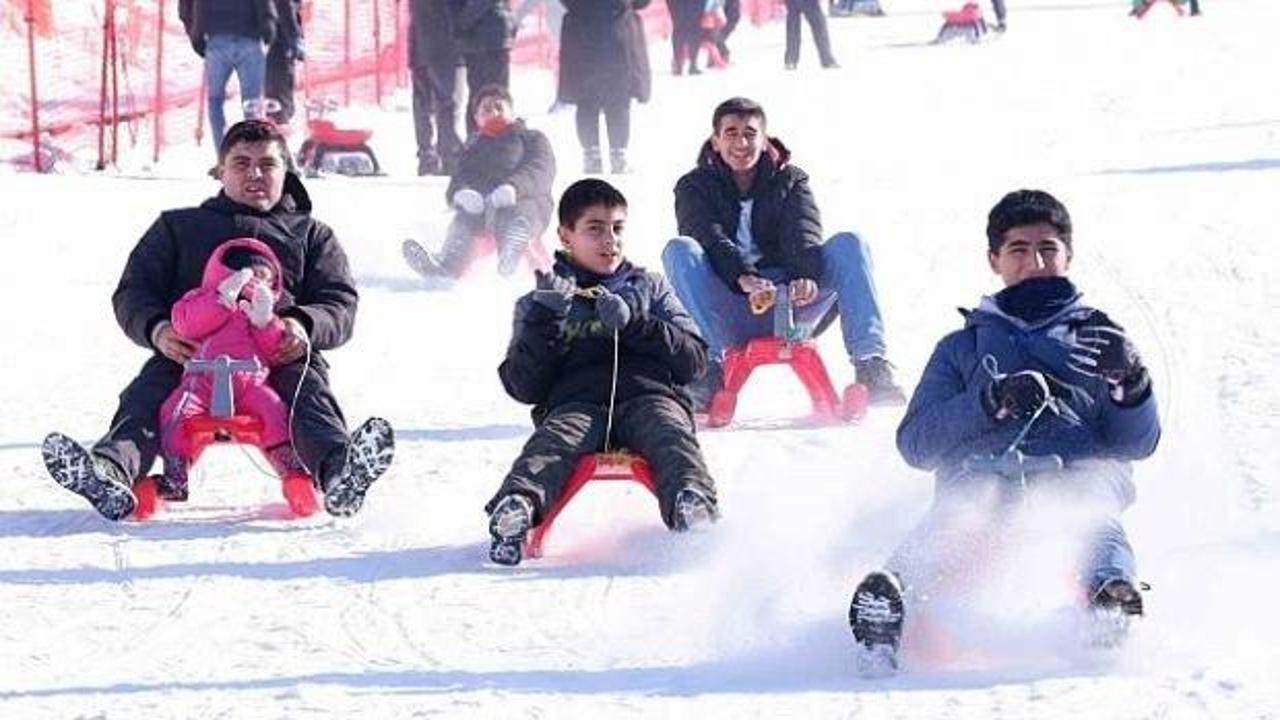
(946, 423)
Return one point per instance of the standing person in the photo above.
(483, 31)
(594, 324)
(686, 34)
(231, 35)
(434, 65)
(997, 6)
(732, 14)
(604, 63)
(282, 59)
(502, 184)
(748, 220)
(1036, 377)
(812, 11)
(261, 198)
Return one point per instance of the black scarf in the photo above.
(1036, 299)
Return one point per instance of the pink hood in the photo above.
(215, 271)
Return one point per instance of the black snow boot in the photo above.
(875, 616)
(93, 477)
(367, 456)
(876, 374)
(509, 525)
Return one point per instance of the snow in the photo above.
(1161, 137)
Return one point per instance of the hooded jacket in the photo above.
(171, 259)
(945, 422)
(255, 19)
(785, 222)
(552, 359)
(221, 330)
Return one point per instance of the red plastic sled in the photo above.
(205, 430)
(598, 466)
(804, 359)
(485, 245)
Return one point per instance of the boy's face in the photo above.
(253, 173)
(595, 241)
(1030, 251)
(739, 140)
(493, 107)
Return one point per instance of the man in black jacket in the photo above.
(748, 220)
(259, 198)
(435, 65)
(286, 52)
(602, 349)
(231, 35)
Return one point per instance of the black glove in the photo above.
(1104, 351)
(554, 292)
(1019, 395)
(613, 310)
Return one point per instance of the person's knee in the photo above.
(681, 253)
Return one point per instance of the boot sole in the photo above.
(72, 467)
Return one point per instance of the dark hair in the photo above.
(586, 193)
(490, 90)
(737, 106)
(1026, 207)
(252, 131)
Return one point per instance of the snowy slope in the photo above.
(1162, 136)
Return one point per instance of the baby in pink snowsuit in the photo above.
(231, 313)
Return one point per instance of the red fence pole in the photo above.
(158, 105)
(35, 100)
(115, 86)
(401, 60)
(346, 52)
(377, 52)
(102, 93)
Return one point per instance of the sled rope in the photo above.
(595, 292)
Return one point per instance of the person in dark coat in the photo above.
(602, 349)
(502, 184)
(748, 220)
(282, 59)
(732, 15)
(231, 35)
(812, 12)
(483, 31)
(604, 63)
(262, 199)
(435, 66)
(1036, 380)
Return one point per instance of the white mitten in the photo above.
(230, 287)
(469, 201)
(503, 196)
(261, 308)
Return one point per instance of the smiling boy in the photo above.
(601, 346)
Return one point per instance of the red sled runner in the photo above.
(597, 466)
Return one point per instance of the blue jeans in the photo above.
(726, 320)
(223, 54)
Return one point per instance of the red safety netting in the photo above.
(111, 77)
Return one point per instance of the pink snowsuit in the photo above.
(220, 330)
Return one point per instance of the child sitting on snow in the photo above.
(1037, 371)
(232, 313)
(595, 306)
(502, 184)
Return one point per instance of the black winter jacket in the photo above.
(784, 218)
(255, 19)
(603, 52)
(169, 260)
(520, 156)
(552, 359)
(481, 26)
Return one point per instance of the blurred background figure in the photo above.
(434, 65)
(281, 77)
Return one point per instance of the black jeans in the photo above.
(656, 427)
(435, 116)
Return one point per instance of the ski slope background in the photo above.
(1163, 138)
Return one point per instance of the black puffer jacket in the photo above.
(255, 19)
(557, 359)
(481, 26)
(784, 218)
(520, 156)
(169, 260)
